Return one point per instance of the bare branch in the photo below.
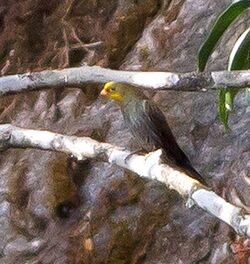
(148, 166)
(77, 77)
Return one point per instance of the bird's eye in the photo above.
(112, 89)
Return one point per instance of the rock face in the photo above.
(54, 210)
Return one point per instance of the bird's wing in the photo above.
(163, 135)
(161, 132)
(149, 126)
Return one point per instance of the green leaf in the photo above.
(238, 60)
(226, 99)
(223, 113)
(236, 8)
(248, 95)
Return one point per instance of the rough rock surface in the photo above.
(54, 210)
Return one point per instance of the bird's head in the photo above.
(117, 91)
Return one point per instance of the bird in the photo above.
(148, 125)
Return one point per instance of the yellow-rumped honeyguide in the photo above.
(148, 125)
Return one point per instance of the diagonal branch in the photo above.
(78, 77)
(148, 166)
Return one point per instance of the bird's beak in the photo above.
(104, 92)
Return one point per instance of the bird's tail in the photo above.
(185, 165)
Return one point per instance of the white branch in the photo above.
(78, 77)
(148, 166)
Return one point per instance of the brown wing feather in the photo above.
(162, 133)
(149, 126)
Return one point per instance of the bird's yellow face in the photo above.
(111, 90)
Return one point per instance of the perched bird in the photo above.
(148, 125)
